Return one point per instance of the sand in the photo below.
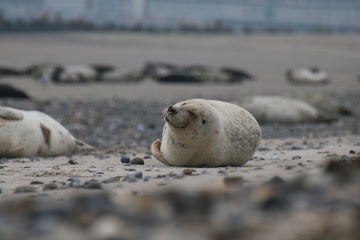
(267, 57)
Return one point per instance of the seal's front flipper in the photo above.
(155, 150)
(15, 151)
(10, 114)
(82, 147)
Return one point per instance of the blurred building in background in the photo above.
(238, 15)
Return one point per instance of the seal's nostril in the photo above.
(171, 110)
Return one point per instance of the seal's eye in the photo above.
(203, 122)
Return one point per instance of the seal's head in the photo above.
(186, 115)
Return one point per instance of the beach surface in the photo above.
(302, 183)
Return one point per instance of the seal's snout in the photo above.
(171, 110)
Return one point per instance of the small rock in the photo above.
(125, 159)
(274, 157)
(24, 189)
(130, 169)
(133, 177)
(154, 169)
(112, 180)
(352, 152)
(297, 147)
(50, 186)
(92, 184)
(231, 182)
(73, 162)
(297, 157)
(231, 169)
(161, 176)
(137, 161)
(147, 157)
(179, 176)
(74, 182)
(263, 149)
(188, 171)
(147, 178)
(36, 183)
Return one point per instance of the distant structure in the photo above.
(239, 15)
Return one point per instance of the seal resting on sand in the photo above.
(33, 133)
(311, 76)
(270, 109)
(212, 133)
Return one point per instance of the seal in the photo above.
(211, 133)
(279, 109)
(310, 76)
(33, 133)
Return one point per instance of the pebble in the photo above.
(73, 162)
(24, 189)
(133, 177)
(231, 182)
(92, 184)
(231, 170)
(297, 157)
(147, 178)
(111, 180)
(161, 176)
(130, 169)
(36, 183)
(263, 149)
(74, 182)
(154, 169)
(179, 176)
(274, 157)
(125, 159)
(50, 186)
(352, 152)
(188, 171)
(137, 161)
(297, 147)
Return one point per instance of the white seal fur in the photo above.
(201, 132)
(33, 133)
(278, 109)
(311, 76)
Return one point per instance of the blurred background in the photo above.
(238, 16)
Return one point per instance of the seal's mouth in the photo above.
(175, 124)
